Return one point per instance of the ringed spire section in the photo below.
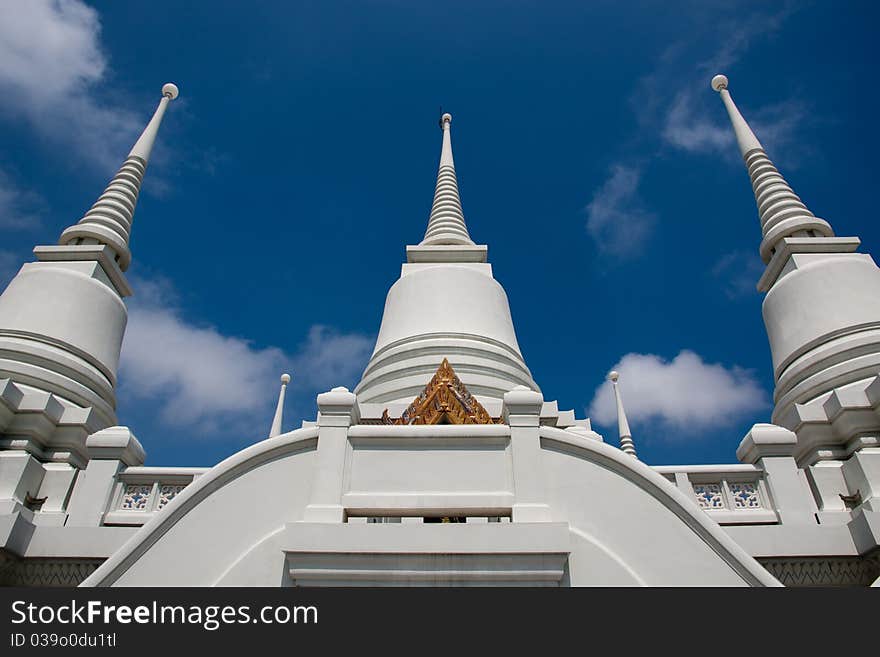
(626, 441)
(62, 318)
(109, 220)
(446, 305)
(821, 311)
(446, 224)
(782, 212)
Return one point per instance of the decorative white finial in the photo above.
(144, 145)
(719, 82)
(446, 223)
(782, 212)
(279, 409)
(745, 138)
(170, 89)
(109, 219)
(626, 441)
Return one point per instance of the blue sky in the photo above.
(593, 158)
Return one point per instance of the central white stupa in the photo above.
(446, 304)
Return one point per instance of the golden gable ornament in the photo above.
(445, 400)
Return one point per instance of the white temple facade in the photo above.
(446, 465)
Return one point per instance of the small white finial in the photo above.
(626, 441)
(745, 138)
(783, 214)
(277, 420)
(170, 89)
(446, 225)
(109, 220)
(719, 82)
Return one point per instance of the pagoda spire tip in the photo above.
(626, 441)
(278, 419)
(719, 82)
(170, 90)
(446, 223)
(782, 213)
(109, 220)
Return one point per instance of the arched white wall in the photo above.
(219, 517)
(628, 525)
(646, 530)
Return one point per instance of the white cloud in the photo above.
(685, 394)
(776, 126)
(739, 272)
(675, 99)
(19, 208)
(616, 217)
(214, 383)
(329, 358)
(51, 62)
(10, 263)
(739, 33)
(56, 39)
(200, 377)
(688, 129)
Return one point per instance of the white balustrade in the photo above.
(730, 494)
(141, 492)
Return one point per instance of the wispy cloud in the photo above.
(685, 394)
(213, 383)
(10, 262)
(329, 358)
(688, 129)
(617, 219)
(52, 63)
(693, 120)
(738, 32)
(779, 127)
(676, 102)
(738, 272)
(20, 208)
(197, 376)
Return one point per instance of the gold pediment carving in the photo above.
(445, 400)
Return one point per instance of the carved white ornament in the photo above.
(168, 492)
(709, 496)
(745, 495)
(136, 497)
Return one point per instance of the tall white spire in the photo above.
(109, 219)
(62, 318)
(446, 224)
(626, 441)
(821, 311)
(782, 212)
(279, 409)
(446, 304)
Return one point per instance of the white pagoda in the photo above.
(445, 465)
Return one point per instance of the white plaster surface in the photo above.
(606, 542)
